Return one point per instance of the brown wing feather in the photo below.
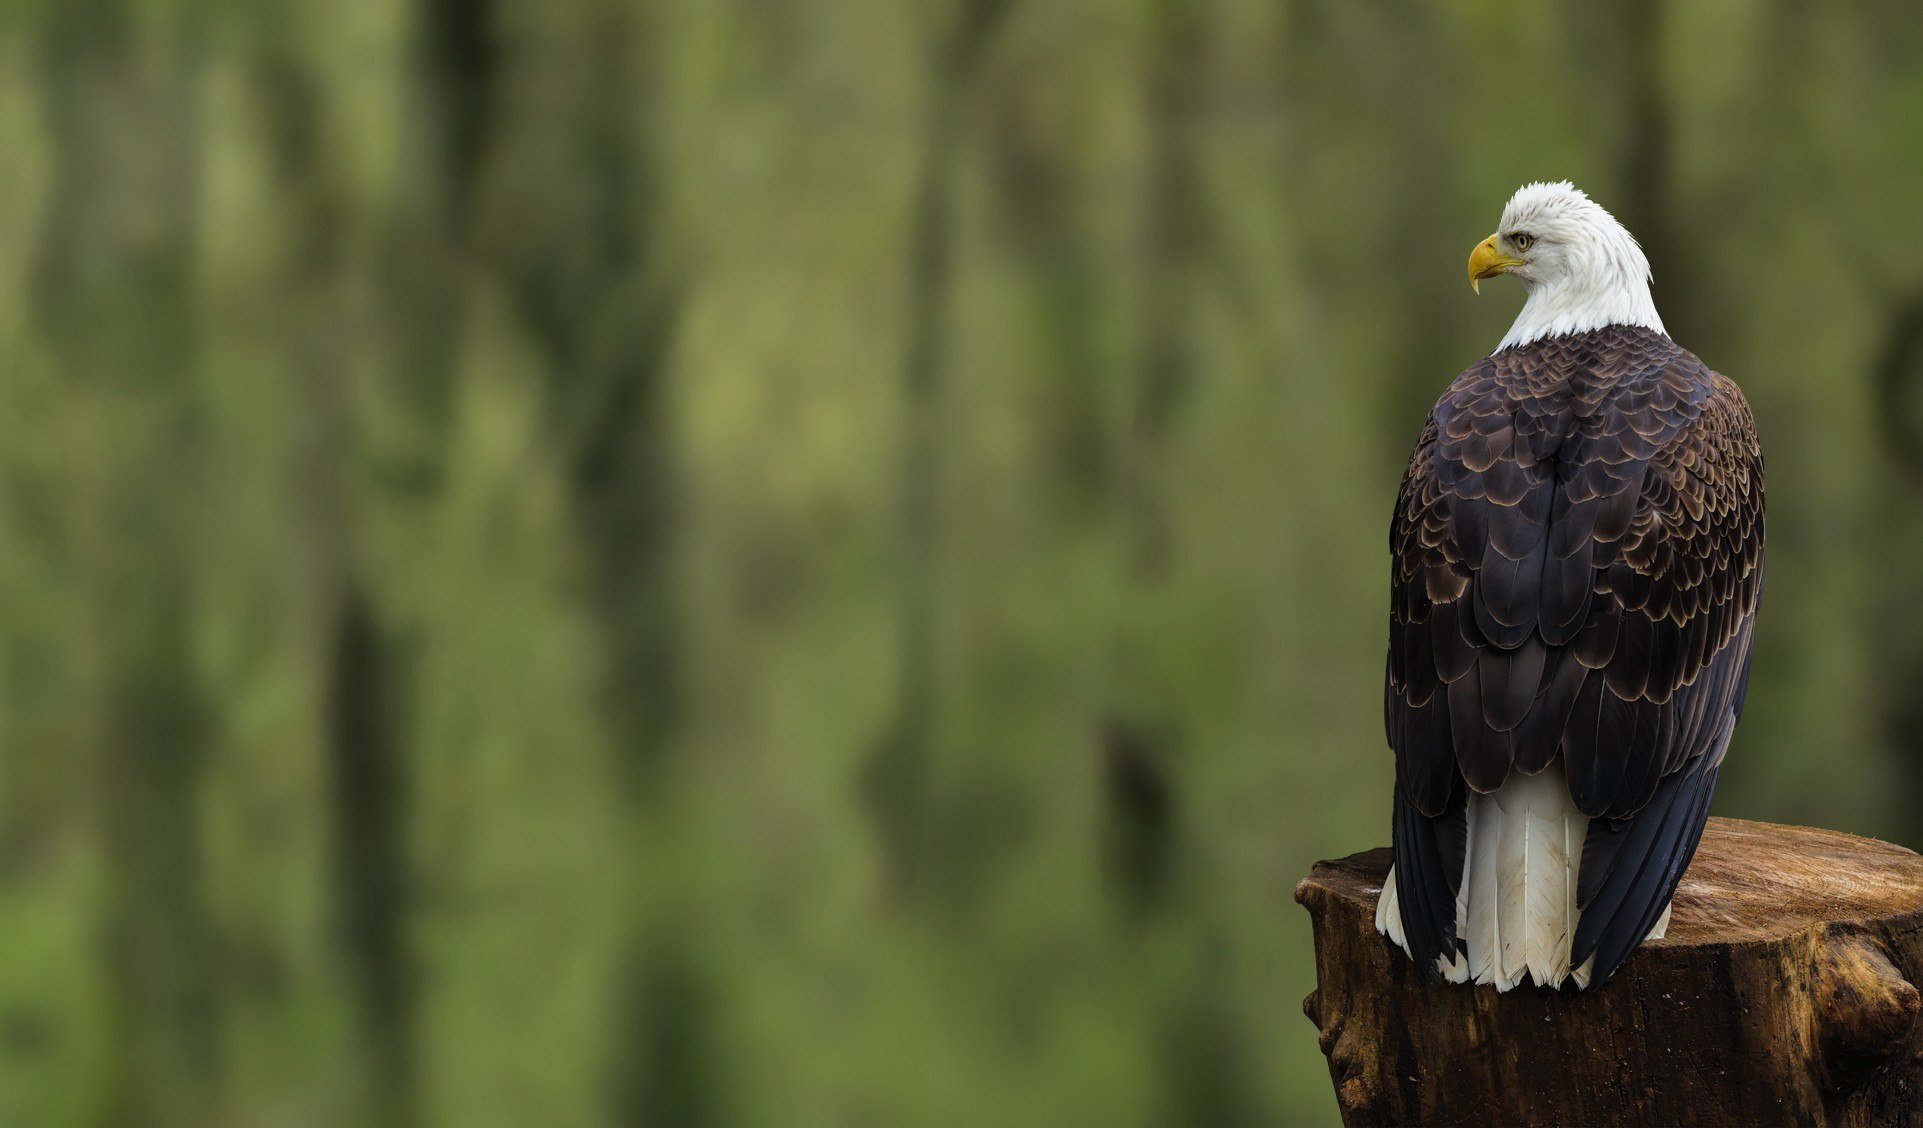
(1687, 576)
(1681, 584)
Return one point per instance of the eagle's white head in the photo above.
(1581, 268)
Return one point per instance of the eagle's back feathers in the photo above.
(1577, 561)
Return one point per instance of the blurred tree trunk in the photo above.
(116, 284)
(1417, 65)
(1205, 1078)
(1041, 209)
(450, 113)
(1645, 155)
(581, 243)
(579, 234)
(366, 754)
(369, 663)
(896, 783)
(1897, 384)
(370, 809)
(1176, 242)
(1138, 749)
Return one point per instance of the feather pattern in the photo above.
(1577, 562)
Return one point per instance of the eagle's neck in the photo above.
(1611, 290)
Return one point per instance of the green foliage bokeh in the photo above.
(582, 562)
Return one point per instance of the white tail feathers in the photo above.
(1535, 835)
(1388, 913)
(1516, 906)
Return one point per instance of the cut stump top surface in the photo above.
(1749, 880)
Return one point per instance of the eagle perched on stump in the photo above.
(1578, 559)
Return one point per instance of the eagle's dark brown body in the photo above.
(1578, 557)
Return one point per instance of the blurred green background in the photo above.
(823, 563)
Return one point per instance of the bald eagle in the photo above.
(1577, 561)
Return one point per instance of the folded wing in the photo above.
(1573, 576)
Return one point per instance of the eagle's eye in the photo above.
(1523, 242)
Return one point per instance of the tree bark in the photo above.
(1782, 994)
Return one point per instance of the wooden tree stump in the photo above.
(1782, 995)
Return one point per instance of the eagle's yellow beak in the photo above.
(1487, 262)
